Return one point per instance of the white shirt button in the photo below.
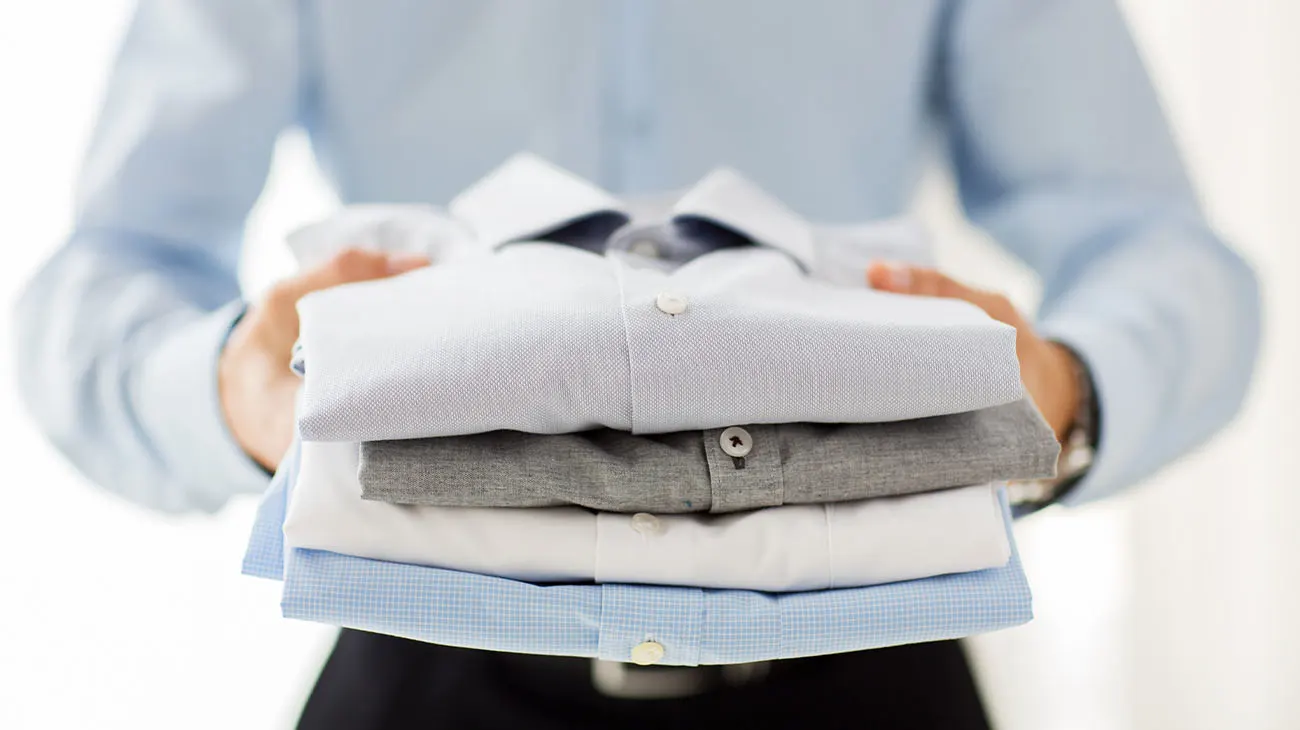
(736, 441)
(647, 653)
(645, 247)
(671, 303)
(646, 524)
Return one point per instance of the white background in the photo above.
(1177, 606)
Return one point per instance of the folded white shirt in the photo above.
(789, 548)
(548, 338)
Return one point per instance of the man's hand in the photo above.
(1047, 368)
(256, 385)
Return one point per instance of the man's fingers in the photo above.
(353, 265)
(920, 281)
(930, 283)
(904, 279)
(345, 267)
(886, 276)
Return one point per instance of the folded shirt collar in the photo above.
(726, 198)
(528, 198)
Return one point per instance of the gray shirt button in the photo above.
(736, 441)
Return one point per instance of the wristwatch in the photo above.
(1076, 453)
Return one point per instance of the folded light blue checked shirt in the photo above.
(695, 626)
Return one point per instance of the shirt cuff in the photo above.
(179, 408)
(1122, 388)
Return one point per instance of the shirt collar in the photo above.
(527, 197)
(727, 199)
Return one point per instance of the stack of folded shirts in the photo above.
(696, 439)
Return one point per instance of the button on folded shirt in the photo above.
(669, 303)
(647, 652)
(743, 414)
(735, 441)
(646, 524)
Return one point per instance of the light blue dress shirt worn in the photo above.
(1055, 135)
(694, 625)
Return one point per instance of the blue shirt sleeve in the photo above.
(1063, 154)
(119, 333)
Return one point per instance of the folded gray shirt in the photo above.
(719, 470)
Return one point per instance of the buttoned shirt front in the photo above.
(717, 470)
(549, 338)
(788, 548)
(692, 625)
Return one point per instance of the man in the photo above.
(142, 363)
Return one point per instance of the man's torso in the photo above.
(824, 104)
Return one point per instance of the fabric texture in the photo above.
(788, 548)
(695, 625)
(689, 471)
(377, 682)
(546, 338)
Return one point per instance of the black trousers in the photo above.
(375, 682)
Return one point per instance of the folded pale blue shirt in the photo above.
(695, 626)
